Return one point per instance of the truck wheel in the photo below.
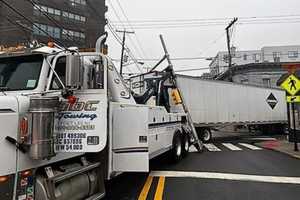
(206, 135)
(176, 152)
(185, 145)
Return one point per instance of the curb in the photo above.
(261, 144)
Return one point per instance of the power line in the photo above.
(31, 22)
(119, 40)
(128, 21)
(20, 25)
(115, 35)
(123, 27)
(209, 19)
(53, 20)
(208, 24)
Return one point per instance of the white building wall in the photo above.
(285, 53)
(266, 54)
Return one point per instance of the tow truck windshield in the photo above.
(20, 72)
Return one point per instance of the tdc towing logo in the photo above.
(79, 106)
(67, 110)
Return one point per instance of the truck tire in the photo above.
(185, 145)
(176, 152)
(206, 135)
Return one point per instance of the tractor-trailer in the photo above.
(218, 103)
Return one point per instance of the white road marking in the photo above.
(249, 146)
(232, 147)
(211, 147)
(227, 176)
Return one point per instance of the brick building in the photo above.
(72, 22)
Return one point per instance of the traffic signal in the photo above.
(176, 96)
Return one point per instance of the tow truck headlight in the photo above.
(3, 179)
(6, 187)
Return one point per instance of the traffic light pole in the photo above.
(197, 142)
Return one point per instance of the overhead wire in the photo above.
(119, 40)
(115, 35)
(214, 23)
(204, 20)
(116, 14)
(50, 18)
(23, 28)
(31, 22)
(128, 21)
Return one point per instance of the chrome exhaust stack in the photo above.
(41, 113)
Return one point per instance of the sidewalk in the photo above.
(281, 145)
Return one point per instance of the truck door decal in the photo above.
(81, 127)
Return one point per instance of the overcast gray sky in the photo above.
(201, 41)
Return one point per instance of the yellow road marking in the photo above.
(160, 189)
(146, 188)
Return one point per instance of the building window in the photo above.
(72, 16)
(245, 81)
(78, 2)
(266, 82)
(256, 57)
(276, 56)
(39, 9)
(41, 29)
(225, 58)
(293, 54)
(72, 35)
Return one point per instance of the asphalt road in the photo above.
(243, 173)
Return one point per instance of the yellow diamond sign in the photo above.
(291, 85)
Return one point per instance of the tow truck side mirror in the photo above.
(73, 71)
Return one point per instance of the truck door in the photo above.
(81, 126)
(129, 138)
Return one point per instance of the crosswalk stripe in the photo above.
(211, 147)
(232, 147)
(263, 138)
(249, 146)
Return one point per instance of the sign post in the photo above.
(292, 86)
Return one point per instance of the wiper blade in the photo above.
(3, 89)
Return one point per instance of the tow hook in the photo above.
(22, 147)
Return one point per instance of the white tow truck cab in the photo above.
(69, 122)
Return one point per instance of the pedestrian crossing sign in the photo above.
(291, 85)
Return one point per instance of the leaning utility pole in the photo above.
(228, 46)
(123, 45)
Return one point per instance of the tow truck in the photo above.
(69, 122)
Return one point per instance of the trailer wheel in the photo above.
(185, 145)
(206, 135)
(177, 150)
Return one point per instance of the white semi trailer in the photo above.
(217, 103)
(68, 123)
